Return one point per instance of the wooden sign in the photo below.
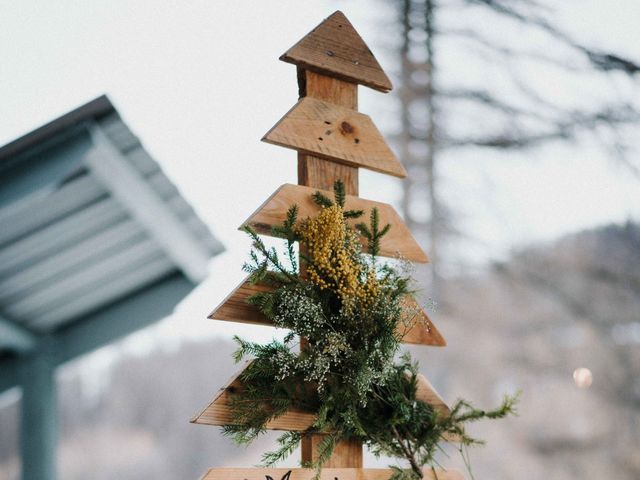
(327, 474)
(417, 328)
(397, 242)
(340, 134)
(219, 413)
(335, 49)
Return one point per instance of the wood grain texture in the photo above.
(319, 172)
(322, 173)
(417, 327)
(235, 307)
(334, 48)
(332, 90)
(398, 241)
(327, 474)
(340, 134)
(346, 454)
(218, 412)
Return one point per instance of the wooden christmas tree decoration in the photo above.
(333, 140)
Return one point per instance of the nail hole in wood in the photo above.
(357, 140)
(320, 138)
(327, 122)
(327, 132)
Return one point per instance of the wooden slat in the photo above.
(327, 474)
(235, 307)
(274, 210)
(334, 48)
(218, 412)
(427, 394)
(340, 134)
(417, 329)
(327, 89)
(347, 453)
(320, 173)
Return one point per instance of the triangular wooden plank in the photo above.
(340, 134)
(418, 328)
(327, 474)
(427, 394)
(273, 211)
(334, 48)
(218, 412)
(235, 307)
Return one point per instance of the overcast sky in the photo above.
(200, 83)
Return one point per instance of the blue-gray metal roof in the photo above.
(79, 198)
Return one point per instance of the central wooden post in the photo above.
(322, 173)
(319, 172)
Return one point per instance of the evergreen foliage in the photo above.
(347, 308)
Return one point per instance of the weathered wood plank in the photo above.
(321, 173)
(340, 134)
(327, 89)
(235, 307)
(346, 454)
(327, 474)
(334, 48)
(273, 211)
(417, 328)
(218, 412)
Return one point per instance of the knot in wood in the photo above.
(346, 128)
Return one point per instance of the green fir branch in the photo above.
(353, 213)
(339, 193)
(321, 200)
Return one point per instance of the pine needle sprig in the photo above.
(340, 193)
(372, 232)
(287, 443)
(288, 232)
(353, 213)
(322, 200)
